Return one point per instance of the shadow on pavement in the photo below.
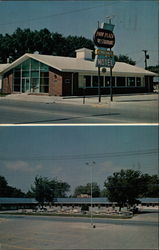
(66, 119)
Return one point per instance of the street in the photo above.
(137, 109)
(42, 232)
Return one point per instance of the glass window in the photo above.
(131, 81)
(17, 84)
(26, 65)
(44, 67)
(34, 65)
(44, 85)
(138, 81)
(101, 81)
(121, 81)
(88, 81)
(17, 73)
(95, 81)
(34, 85)
(107, 81)
(25, 73)
(34, 74)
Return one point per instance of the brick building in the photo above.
(66, 76)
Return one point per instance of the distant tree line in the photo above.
(154, 69)
(124, 187)
(8, 191)
(45, 42)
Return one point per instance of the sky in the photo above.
(63, 152)
(136, 22)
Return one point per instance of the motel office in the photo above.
(66, 76)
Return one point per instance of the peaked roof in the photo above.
(71, 64)
(3, 66)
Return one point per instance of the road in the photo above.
(41, 232)
(24, 112)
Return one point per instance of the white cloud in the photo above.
(22, 166)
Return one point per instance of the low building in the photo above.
(24, 203)
(68, 76)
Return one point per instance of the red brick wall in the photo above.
(55, 83)
(7, 83)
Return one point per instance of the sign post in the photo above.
(104, 39)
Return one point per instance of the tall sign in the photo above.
(104, 39)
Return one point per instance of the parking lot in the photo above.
(42, 232)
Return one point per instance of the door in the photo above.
(25, 84)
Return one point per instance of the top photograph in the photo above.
(79, 62)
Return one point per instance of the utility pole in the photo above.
(146, 57)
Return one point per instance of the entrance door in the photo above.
(25, 84)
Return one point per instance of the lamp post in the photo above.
(91, 174)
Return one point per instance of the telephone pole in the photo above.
(146, 57)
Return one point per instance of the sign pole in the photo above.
(111, 85)
(99, 89)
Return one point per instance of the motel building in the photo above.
(68, 76)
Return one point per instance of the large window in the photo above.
(95, 81)
(121, 81)
(138, 81)
(131, 81)
(107, 81)
(31, 76)
(88, 81)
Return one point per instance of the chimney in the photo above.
(84, 53)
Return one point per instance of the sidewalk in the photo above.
(79, 100)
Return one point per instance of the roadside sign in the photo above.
(104, 38)
(105, 61)
(104, 52)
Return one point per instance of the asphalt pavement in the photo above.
(42, 232)
(29, 109)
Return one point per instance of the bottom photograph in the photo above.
(79, 187)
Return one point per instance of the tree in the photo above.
(153, 187)
(42, 190)
(8, 191)
(154, 69)
(45, 190)
(87, 190)
(124, 58)
(126, 186)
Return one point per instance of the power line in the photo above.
(55, 15)
(82, 156)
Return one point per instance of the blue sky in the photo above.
(136, 22)
(49, 151)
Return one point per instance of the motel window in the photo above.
(88, 81)
(121, 81)
(138, 81)
(131, 81)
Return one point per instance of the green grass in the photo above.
(71, 215)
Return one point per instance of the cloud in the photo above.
(22, 166)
